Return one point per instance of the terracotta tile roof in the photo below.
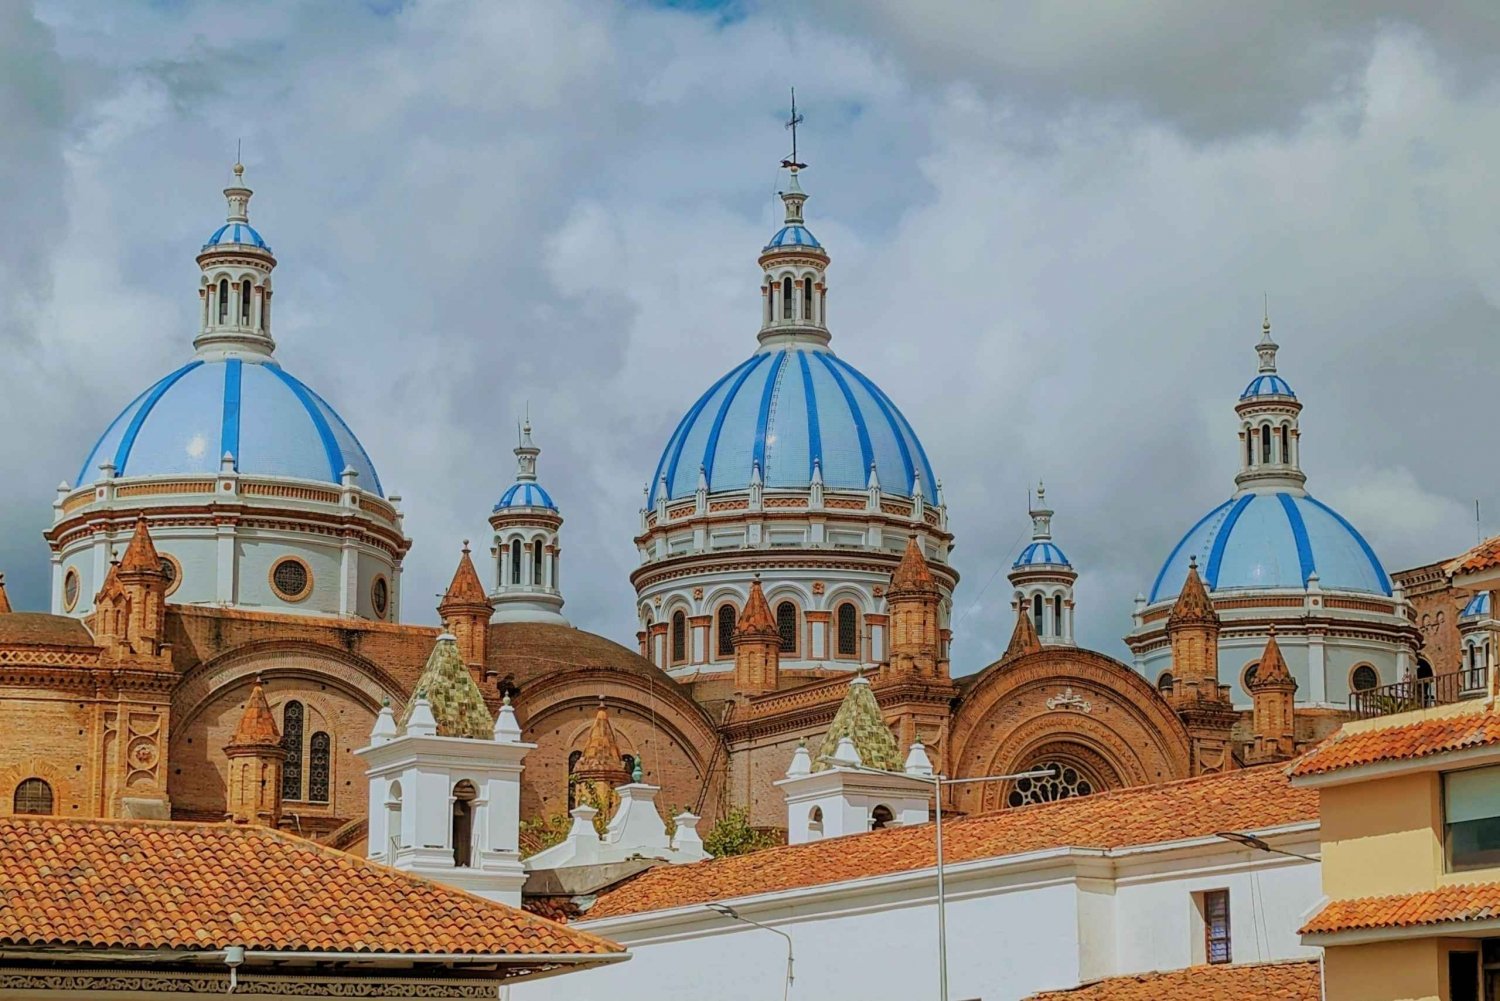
(1193, 605)
(41, 629)
(1481, 557)
(457, 703)
(1351, 748)
(112, 884)
(1246, 800)
(756, 618)
(257, 726)
(1298, 980)
(913, 573)
(1023, 639)
(1272, 672)
(859, 718)
(1460, 902)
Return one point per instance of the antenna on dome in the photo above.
(795, 120)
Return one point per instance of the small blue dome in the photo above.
(525, 495)
(1267, 385)
(1478, 607)
(236, 232)
(793, 236)
(1274, 540)
(272, 424)
(1041, 554)
(784, 410)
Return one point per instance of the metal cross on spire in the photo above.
(792, 124)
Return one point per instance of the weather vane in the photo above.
(792, 124)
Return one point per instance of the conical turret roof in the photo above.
(859, 718)
(1023, 638)
(4, 598)
(1193, 603)
(757, 617)
(457, 703)
(913, 573)
(257, 726)
(601, 752)
(1272, 671)
(141, 554)
(466, 587)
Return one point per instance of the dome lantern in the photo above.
(1043, 579)
(235, 286)
(1270, 443)
(526, 550)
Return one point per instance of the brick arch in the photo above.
(343, 689)
(67, 795)
(671, 733)
(1127, 734)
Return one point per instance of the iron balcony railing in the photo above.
(1421, 693)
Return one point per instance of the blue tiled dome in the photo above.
(236, 232)
(1478, 607)
(1267, 385)
(793, 236)
(525, 495)
(1274, 540)
(272, 424)
(1041, 554)
(784, 409)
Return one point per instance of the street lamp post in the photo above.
(938, 781)
(730, 912)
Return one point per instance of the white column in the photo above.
(57, 581)
(224, 587)
(349, 577)
(395, 614)
(1317, 669)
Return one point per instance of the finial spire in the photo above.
(791, 162)
(526, 450)
(1267, 347)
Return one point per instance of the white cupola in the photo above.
(1269, 441)
(526, 549)
(235, 285)
(1043, 578)
(795, 284)
(445, 784)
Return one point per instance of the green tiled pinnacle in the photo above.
(457, 704)
(859, 718)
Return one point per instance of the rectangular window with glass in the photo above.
(1471, 818)
(1216, 926)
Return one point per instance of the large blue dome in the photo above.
(783, 409)
(1273, 540)
(271, 423)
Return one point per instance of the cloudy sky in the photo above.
(1051, 229)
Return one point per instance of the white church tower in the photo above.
(526, 549)
(445, 784)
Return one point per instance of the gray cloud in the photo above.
(475, 207)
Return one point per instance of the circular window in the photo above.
(70, 589)
(380, 596)
(1065, 783)
(291, 579)
(172, 570)
(1363, 678)
(1248, 677)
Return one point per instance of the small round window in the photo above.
(291, 579)
(380, 596)
(1364, 678)
(70, 589)
(171, 571)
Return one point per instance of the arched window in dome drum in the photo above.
(244, 304)
(1057, 629)
(1265, 443)
(1036, 613)
(536, 563)
(726, 630)
(786, 298)
(1249, 448)
(317, 767)
(515, 561)
(807, 298)
(786, 625)
(291, 742)
(223, 300)
(1286, 446)
(848, 630)
(679, 637)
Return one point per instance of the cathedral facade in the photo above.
(227, 546)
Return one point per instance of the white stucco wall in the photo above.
(1015, 926)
